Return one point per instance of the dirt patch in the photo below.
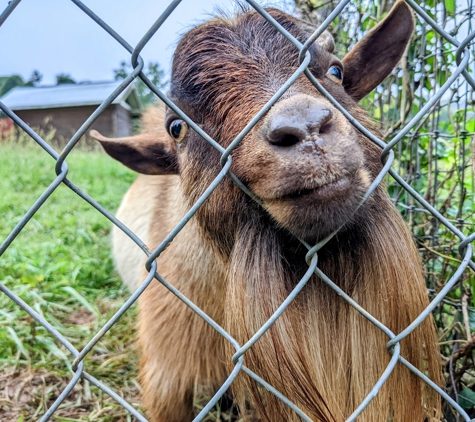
(81, 317)
(28, 394)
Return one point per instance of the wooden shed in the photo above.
(66, 107)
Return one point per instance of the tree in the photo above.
(152, 71)
(64, 78)
(9, 82)
(35, 78)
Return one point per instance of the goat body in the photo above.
(238, 261)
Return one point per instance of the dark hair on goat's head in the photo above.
(217, 62)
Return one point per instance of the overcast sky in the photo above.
(55, 36)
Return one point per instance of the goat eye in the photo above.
(335, 74)
(177, 130)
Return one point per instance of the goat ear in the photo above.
(378, 52)
(147, 153)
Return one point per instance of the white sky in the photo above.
(55, 36)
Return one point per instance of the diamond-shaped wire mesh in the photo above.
(461, 48)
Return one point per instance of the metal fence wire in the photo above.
(404, 193)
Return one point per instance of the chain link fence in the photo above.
(404, 192)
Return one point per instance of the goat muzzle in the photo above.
(300, 118)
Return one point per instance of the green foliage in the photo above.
(152, 71)
(467, 398)
(35, 78)
(64, 78)
(9, 82)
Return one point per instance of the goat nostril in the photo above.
(325, 128)
(294, 122)
(285, 135)
(284, 140)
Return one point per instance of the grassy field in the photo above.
(60, 264)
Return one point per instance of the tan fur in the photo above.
(126, 253)
(238, 262)
(322, 344)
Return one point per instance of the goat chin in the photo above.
(238, 261)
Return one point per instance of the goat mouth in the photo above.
(325, 192)
(315, 212)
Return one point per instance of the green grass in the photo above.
(60, 264)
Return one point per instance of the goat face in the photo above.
(304, 159)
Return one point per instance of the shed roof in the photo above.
(70, 95)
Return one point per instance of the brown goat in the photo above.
(238, 261)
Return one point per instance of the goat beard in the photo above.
(320, 353)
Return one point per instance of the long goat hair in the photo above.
(239, 261)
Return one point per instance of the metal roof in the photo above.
(70, 95)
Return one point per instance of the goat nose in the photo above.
(297, 119)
